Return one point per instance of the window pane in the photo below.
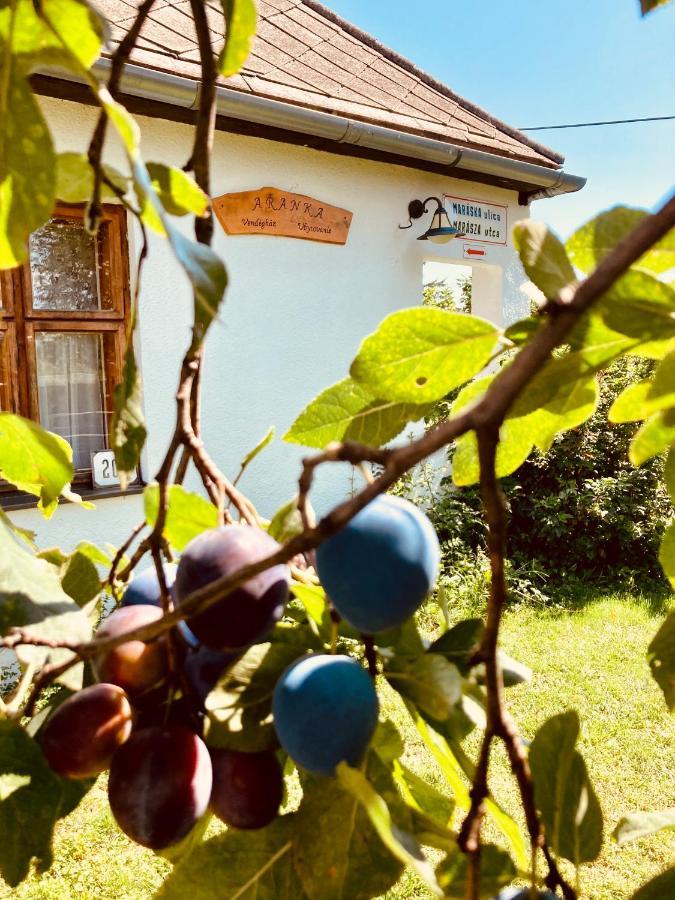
(71, 390)
(64, 267)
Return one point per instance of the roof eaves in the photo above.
(429, 80)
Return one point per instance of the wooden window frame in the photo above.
(19, 322)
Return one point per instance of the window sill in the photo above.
(21, 500)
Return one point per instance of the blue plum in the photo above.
(248, 613)
(325, 712)
(381, 566)
(143, 589)
(159, 785)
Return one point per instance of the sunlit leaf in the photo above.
(654, 437)
(240, 25)
(418, 355)
(401, 845)
(569, 808)
(432, 683)
(178, 193)
(346, 411)
(264, 441)
(35, 460)
(631, 404)
(638, 825)
(188, 514)
(75, 179)
(27, 166)
(496, 871)
(543, 257)
(594, 240)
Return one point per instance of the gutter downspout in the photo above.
(176, 90)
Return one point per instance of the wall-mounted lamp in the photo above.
(440, 231)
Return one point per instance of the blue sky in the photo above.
(539, 62)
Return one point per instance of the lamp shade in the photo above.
(440, 230)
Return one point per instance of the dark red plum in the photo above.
(81, 736)
(246, 615)
(135, 666)
(247, 787)
(159, 786)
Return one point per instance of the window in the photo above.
(62, 330)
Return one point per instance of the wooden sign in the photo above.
(282, 214)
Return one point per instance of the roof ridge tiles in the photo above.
(401, 61)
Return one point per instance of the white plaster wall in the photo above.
(295, 311)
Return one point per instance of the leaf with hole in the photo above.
(419, 355)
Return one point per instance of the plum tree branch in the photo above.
(491, 409)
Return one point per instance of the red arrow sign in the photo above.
(475, 252)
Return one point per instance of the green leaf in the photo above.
(346, 411)
(634, 826)
(669, 474)
(187, 515)
(34, 43)
(654, 437)
(34, 460)
(564, 795)
(422, 796)
(661, 651)
(496, 871)
(460, 642)
(658, 888)
(313, 598)
(522, 330)
(264, 441)
(240, 706)
(239, 865)
(203, 267)
(400, 844)
(80, 578)
(31, 597)
(454, 776)
(27, 814)
(594, 240)
(337, 853)
(286, 522)
(631, 404)
(419, 355)
(543, 257)
(27, 166)
(75, 179)
(432, 683)
(178, 193)
(240, 25)
(127, 429)
(573, 405)
(639, 305)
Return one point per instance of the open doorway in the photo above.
(447, 285)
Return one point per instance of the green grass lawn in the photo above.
(590, 656)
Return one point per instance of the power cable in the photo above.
(595, 124)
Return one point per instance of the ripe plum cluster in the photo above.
(144, 718)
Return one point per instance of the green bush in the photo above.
(581, 510)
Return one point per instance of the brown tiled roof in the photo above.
(306, 55)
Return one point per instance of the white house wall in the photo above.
(295, 311)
